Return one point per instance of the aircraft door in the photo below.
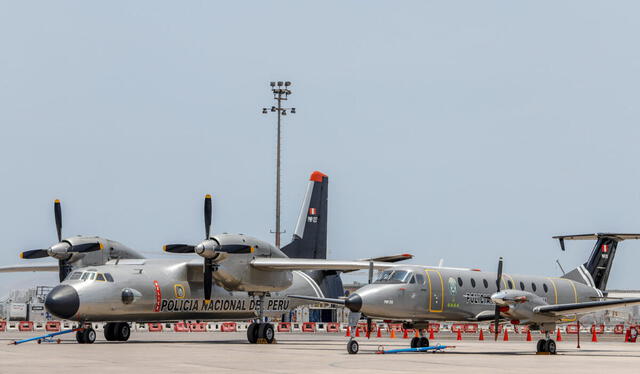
(435, 291)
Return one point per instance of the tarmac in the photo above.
(309, 353)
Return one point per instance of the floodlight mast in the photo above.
(281, 91)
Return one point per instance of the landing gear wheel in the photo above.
(551, 346)
(266, 332)
(89, 335)
(252, 333)
(423, 342)
(109, 332)
(415, 342)
(541, 346)
(122, 331)
(80, 337)
(352, 347)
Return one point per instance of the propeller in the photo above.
(62, 250)
(496, 322)
(206, 249)
(369, 318)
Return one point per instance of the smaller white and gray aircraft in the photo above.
(418, 294)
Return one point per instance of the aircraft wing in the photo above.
(27, 268)
(315, 264)
(587, 307)
(392, 258)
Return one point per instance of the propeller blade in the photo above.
(34, 253)
(63, 269)
(370, 272)
(57, 211)
(207, 215)
(86, 247)
(208, 278)
(178, 248)
(496, 322)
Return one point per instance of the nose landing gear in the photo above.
(86, 335)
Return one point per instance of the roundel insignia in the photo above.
(453, 286)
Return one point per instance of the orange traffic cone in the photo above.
(481, 336)
(594, 337)
(348, 334)
(506, 335)
(459, 335)
(357, 331)
(559, 335)
(529, 335)
(392, 334)
(379, 334)
(405, 335)
(431, 336)
(417, 334)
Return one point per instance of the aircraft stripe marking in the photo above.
(311, 282)
(158, 293)
(581, 270)
(584, 269)
(431, 292)
(555, 290)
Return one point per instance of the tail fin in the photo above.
(595, 272)
(310, 237)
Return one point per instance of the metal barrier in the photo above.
(284, 327)
(154, 327)
(52, 326)
(309, 327)
(25, 326)
(228, 327)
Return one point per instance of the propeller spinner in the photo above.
(62, 250)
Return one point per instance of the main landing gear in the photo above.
(546, 345)
(261, 331)
(117, 331)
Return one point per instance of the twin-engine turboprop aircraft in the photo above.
(234, 283)
(419, 294)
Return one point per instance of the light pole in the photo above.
(281, 91)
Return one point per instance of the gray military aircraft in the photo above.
(234, 282)
(419, 294)
(73, 252)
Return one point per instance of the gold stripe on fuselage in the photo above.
(431, 291)
(555, 289)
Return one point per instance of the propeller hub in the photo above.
(60, 251)
(207, 248)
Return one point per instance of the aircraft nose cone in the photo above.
(353, 302)
(63, 301)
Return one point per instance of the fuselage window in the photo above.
(486, 284)
(85, 276)
(460, 281)
(100, 277)
(533, 286)
(522, 286)
(510, 284)
(419, 279)
(544, 286)
(109, 277)
(75, 275)
(473, 283)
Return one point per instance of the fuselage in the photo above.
(163, 290)
(434, 293)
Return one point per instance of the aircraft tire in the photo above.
(352, 347)
(122, 331)
(541, 346)
(266, 332)
(423, 342)
(80, 337)
(414, 342)
(252, 333)
(551, 346)
(89, 335)
(109, 332)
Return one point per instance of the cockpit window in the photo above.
(93, 276)
(393, 276)
(85, 275)
(75, 275)
(413, 280)
(100, 277)
(109, 277)
(419, 279)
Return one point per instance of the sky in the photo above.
(461, 131)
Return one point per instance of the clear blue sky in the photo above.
(456, 130)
